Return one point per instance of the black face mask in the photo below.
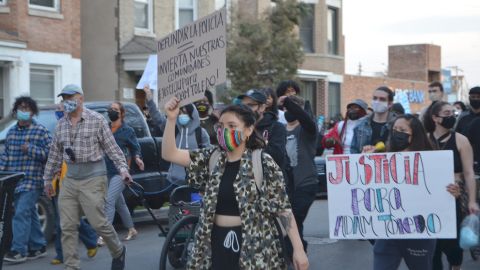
(475, 103)
(448, 122)
(353, 115)
(202, 107)
(399, 140)
(113, 115)
(290, 117)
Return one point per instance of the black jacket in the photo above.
(276, 136)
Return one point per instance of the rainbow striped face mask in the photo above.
(229, 139)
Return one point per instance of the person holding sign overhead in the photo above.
(439, 121)
(236, 229)
(188, 134)
(407, 135)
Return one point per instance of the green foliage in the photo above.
(263, 52)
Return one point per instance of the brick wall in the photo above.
(60, 34)
(363, 87)
(322, 97)
(413, 62)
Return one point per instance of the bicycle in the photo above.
(185, 204)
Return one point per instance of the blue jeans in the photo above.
(27, 232)
(86, 233)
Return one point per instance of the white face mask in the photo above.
(379, 106)
(434, 96)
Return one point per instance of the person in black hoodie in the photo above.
(207, 118)
(301, 140)
(267, 125)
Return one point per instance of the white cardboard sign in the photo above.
(193, 59)
(391, 195)
(149, 76)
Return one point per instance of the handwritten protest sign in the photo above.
(193, 59)
(391, 195)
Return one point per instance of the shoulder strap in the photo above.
(213, 160)
(198, 137)
(256, 161)
(257, 167)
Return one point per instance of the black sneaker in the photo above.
(35, 254)
(119, 262)
(14, 257)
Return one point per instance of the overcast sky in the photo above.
(370, 26)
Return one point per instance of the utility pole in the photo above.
(360, 69)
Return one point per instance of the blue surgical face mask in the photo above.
(183, 119)
(59, 114)
(70, 106)
(23, 116)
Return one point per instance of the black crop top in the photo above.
(451, 144)
(226, 201)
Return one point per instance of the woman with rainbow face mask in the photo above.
(235, 230)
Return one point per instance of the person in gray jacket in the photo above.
(188, 134)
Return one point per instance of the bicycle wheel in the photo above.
(178, 243)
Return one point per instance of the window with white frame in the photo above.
(42, 84)
(309, 93)
(334, 100)
(50, 5)
(332, 31)
(144, 15)
(306, 28)
(3, 2)
(186, 12)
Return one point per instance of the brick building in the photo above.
(410, 69)
(39, 49)
(118, 36)
(321, 34)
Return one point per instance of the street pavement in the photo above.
(143, 253)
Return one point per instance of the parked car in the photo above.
(153, 178)
(321, 177)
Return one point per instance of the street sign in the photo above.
(391, 195)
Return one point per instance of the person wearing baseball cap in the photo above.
(272, 131)
(341, 135)
(70, 89)
(82, 139)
